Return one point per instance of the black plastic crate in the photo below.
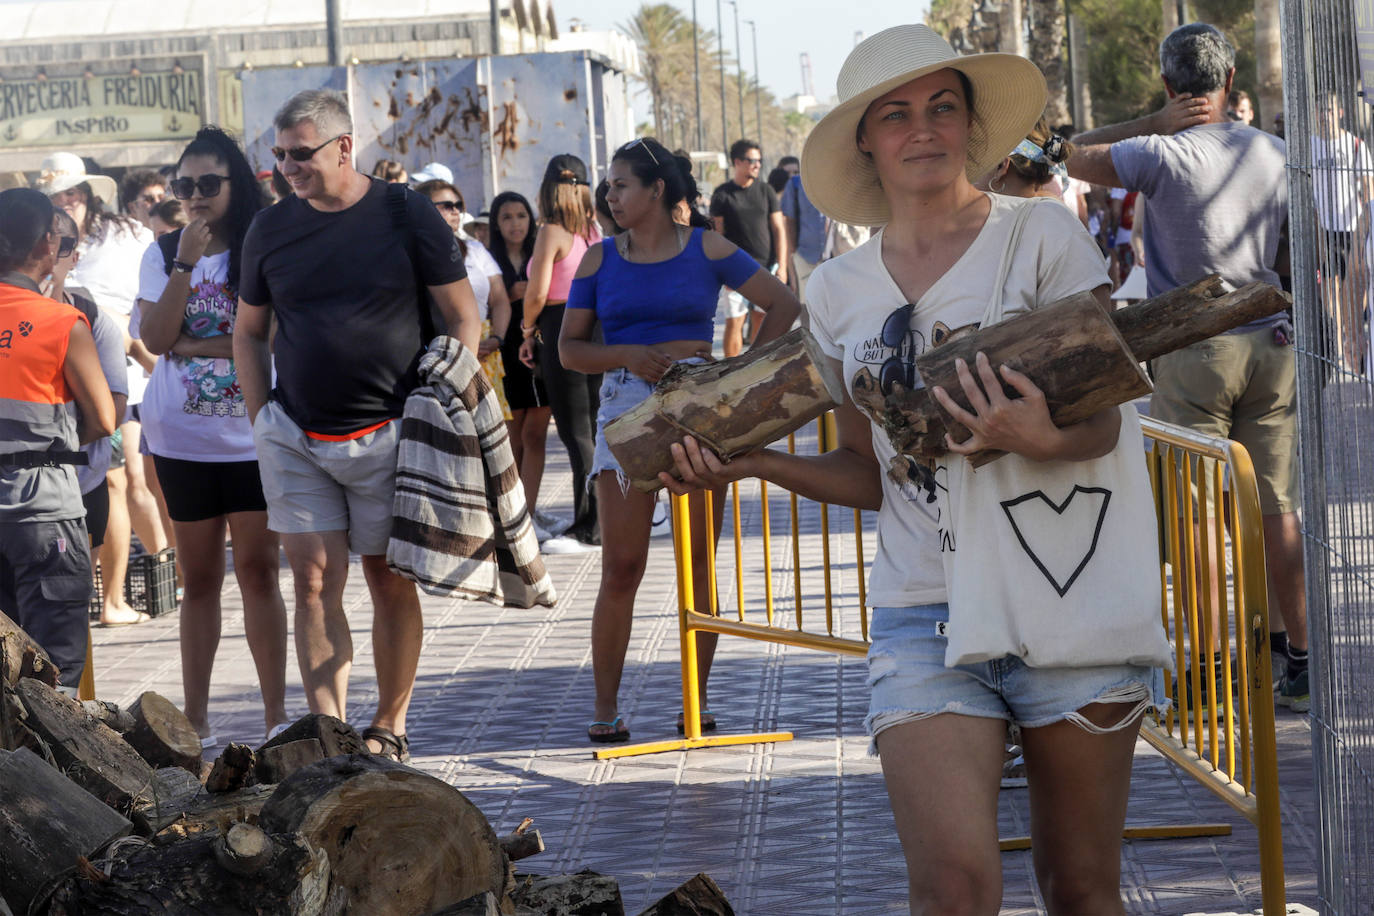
(151, 585)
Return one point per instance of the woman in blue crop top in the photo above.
(654, 289)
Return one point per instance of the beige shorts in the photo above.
(801, 269)
(312, 485)
(1242, 387)
(731, 304)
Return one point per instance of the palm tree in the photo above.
(1268, 63)
(1047, 51)
(664, 37)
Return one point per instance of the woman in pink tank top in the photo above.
(567, 228)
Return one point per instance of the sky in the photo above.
(786, 28)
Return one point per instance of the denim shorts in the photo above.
(621, 390)
(908, 680)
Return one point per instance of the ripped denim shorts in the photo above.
(908, 680)
(621, 390)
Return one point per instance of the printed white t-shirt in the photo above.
(193, 409)
(850, 298)
(481, 267)
(1339, 168)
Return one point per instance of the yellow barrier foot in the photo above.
(689, 744)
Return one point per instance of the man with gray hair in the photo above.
(1216, 199)
(343, 264)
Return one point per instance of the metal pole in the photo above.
(720, 46)
(739, 71)
(495, 26)
(696, 70)
(758, 104)
(333, 26)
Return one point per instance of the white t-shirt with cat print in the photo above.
(851, 297)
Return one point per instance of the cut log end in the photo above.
(162, 734)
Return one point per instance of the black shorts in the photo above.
(197, 490)
(97, 503)
(523, 389)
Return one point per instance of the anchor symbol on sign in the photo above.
(11, 133)
(173, 124)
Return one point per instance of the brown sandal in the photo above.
(397, 747)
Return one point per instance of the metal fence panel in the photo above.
(1330, 177)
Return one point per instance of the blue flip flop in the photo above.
(618, 734)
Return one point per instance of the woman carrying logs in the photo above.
(1046, 615)
(653, 288)
(197, 426)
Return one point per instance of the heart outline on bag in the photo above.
(1011, 504)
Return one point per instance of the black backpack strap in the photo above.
(168, 243)
(400, 221)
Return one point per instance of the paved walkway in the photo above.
(801, 827)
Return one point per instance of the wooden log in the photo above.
(244, 849)
(23, 656)
(585, 893)
(113, 715)
(188, 877)
(233, 769)
(88, 751)
(733, 406)
(483, 904)
(46, 823)
(698, 897)
(172, 792)
(916, 425)
(399, 841)
(519, 846)
(335, 736)
(162, 734)
(278, 761)
(215, 812)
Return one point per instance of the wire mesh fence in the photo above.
(1331, 184)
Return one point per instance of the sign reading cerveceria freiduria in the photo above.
(61, 110)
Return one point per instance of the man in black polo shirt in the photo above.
(340, 264)
(746, 211)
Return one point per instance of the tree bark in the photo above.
(46, 823)
(698, 897)
(215, 812)
(119, 719)
(1268, 63)
(398, 841)
(583, 894)
(188, 877)
(277, 762)
(23, 656)
(162, 734)
(1047, 51)
(731, 406)
(172, 792)
(88, 751)
(335, 736)
(1074, 371)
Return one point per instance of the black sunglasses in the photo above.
(208, 185)
(302, 153)
(448, 205)
(900, 367)
(66, 244)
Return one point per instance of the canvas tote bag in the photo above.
(1055, 563)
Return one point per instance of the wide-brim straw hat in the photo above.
(64, 171)
(1009, 96)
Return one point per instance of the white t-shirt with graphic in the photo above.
(851, 297)
(193, 409)
(1340, 166)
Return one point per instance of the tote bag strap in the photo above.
(995, 305)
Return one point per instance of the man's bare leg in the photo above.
(733, 341)
(397, 633)
(324, 645)
(1287, 578)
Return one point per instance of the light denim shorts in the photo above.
(908, 680)
(621, 390)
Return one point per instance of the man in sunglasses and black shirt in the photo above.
(344, 266)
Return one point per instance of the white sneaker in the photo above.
(564, 544)
(660, 526)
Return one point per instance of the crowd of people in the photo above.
(260, 357)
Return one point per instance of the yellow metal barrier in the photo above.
(1222, 736)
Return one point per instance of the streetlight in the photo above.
(758, 105)
(720, 47)
(739, 68)
(696, 69)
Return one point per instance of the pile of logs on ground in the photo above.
(110, 812)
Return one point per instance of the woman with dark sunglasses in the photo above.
(653, 288)
(197, 425)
